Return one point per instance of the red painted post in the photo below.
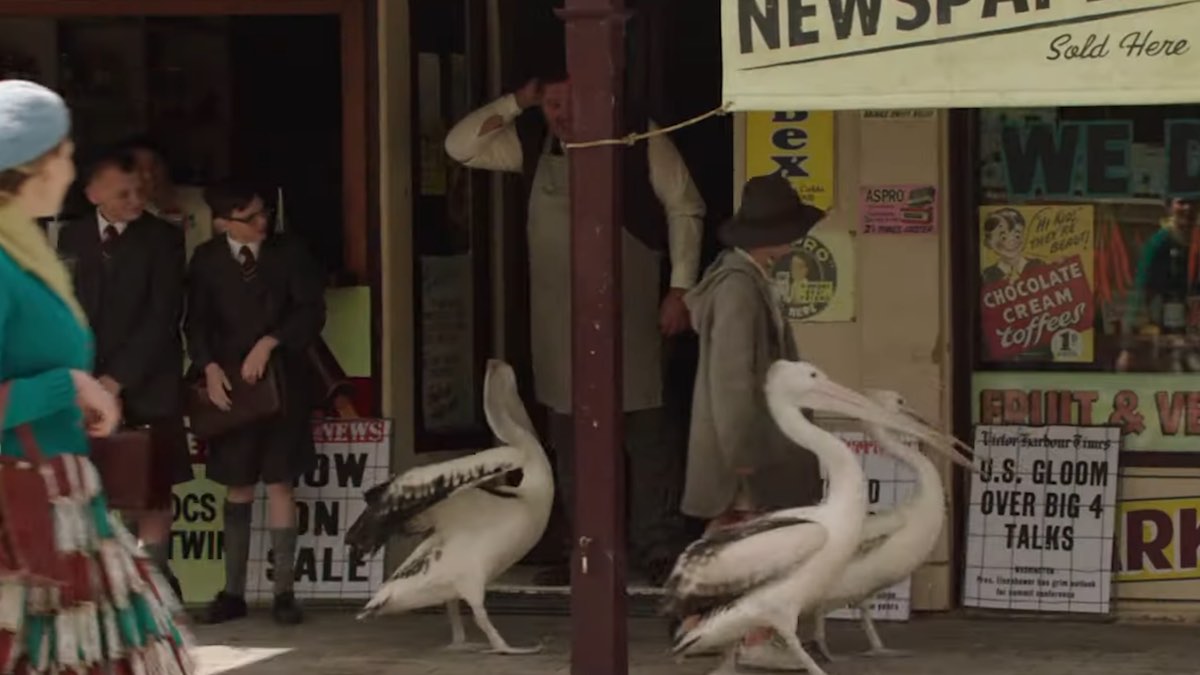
(595, 40)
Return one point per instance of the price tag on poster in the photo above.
(889, 484)
(1040, 529)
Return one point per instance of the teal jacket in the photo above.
(41, 341)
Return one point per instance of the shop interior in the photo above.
(250, 97)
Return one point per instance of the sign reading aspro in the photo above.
(867, 54)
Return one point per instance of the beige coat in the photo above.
(742, 333)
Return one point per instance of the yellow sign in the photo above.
(816, 278)
(1158, 539)
(197, 537)
(797, 145)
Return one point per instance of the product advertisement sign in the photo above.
(797, 145)
(1036, 297)
(890, 483)
(352, 456)
(1041, 519)
(898, 209)
(815, 279)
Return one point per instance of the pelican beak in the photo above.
(834, 398)
(952, 450)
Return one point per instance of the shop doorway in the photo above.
(273, 92)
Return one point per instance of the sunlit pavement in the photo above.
(333, 643)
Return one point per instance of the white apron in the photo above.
(550, 298)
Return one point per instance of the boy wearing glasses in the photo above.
(255, 301)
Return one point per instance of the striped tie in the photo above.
(249, 264)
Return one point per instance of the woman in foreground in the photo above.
(76, 594)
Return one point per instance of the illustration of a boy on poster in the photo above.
(1037, 302)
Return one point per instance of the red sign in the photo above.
(1025, 314)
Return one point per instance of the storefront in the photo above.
(1060, 139)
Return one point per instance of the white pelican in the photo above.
(894, 543)
(767, 571)
(477, 516)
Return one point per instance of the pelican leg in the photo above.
(819, 637)
(498, 645)
(868, 626)
(793, 644)
(458, 634)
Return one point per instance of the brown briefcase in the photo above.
(126, 463)
(251, 403)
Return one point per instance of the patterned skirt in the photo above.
(114, 615)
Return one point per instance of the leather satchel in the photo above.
(251, 403)
(125, 460)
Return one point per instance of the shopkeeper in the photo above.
(1166, 277)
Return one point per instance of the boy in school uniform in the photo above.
(255, 301)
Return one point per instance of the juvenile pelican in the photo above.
(767, 571)
(894, 543)
(477, 516)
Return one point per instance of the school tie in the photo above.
(109, 238)
(249, 264)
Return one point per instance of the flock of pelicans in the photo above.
(478, 515)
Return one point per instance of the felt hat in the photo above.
(33, 120)
(771, 214)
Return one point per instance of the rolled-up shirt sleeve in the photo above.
(683, 205)
(496, 150)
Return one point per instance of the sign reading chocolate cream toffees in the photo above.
(869, 54)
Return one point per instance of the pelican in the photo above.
(476, 516)
(766, 571)
(894, 543)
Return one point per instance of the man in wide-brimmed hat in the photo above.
(738, 460)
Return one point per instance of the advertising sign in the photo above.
(816, 278)
(889, 484)
(1155, 412)
(797, 145)
(352, 455)
(898, 209)
(856, 55)
(1036, 298)
(1040, 524)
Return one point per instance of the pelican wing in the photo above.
(393, 507)
(728, 562)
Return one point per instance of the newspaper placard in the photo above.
(352, 455)
(889, 484)
(1040, 529)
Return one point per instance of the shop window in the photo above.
(1088, 257)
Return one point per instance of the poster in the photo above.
(1155, 412)
(957, 53)
(1158, 541)
(797, 144)
(897, 209)
(889, 484)
(1036, 297)
(1040, 522)
(816, 279)
(352, 455)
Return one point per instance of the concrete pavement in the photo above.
(333, 643)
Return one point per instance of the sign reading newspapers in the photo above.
(871, 54)
(1041, 517)
(889, 484)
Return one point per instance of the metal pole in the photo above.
(595, 60)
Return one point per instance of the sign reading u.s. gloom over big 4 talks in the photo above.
(352, 456)
(890, 483)
(1040, 525)
(958, 53)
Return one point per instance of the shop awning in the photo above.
(867, 54)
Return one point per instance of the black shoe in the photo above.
(224, 608)
(285, 610)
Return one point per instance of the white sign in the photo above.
(889, 484)
(866, 54)
(352, 456)
(1040, 528)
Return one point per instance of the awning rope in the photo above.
(634, 138)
